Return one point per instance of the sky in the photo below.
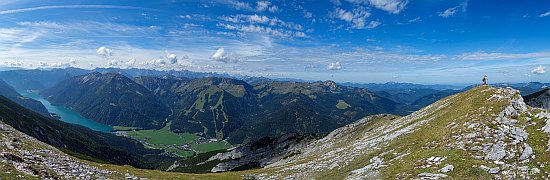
(418, 41)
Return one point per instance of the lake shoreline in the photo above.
(67, 114)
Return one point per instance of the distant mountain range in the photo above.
(39, 79)
(524, 88)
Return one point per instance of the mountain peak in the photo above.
(101, 97)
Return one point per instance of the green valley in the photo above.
(180, 144)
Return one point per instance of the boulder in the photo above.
(527, 152)
(432, 176)
(447, 168)
(497, 152)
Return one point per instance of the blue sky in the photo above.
(423, 41)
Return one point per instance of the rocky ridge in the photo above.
(261, 153)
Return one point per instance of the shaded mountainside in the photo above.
(232, 109)
(539, 99)
(39, 79)
(77, 140)
(314, 108)
(9, 92)
(111, 99)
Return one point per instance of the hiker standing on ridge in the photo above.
(485, 80)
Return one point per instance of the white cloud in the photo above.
(12, 11)
(14, 63)
(42, 24)
(273, 9)
(373, 24)
(104, 51)
(113, 63)
(242, 5)
(539, 70)
(481, 55)
(222, 56)
(43, 64)
(266, 5)
(185, 16)
(545, 14)
(358, 17)
(262, 29)
(191, 25)
(334, 66)
(17, 37)
(131, 62)
(171, 58)
(261, 19)
(391, 6)
(449, 12)
(262, 5)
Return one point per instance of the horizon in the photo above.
(455, 86)
(357, 41)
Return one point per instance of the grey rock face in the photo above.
(497, 152)
(259, 153)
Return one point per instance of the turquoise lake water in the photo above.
(68, 115)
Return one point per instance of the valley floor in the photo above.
(180, 144)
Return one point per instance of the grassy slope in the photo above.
(430, 140)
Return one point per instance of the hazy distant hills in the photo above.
(524, 88)
(39, 79)
(111, 99)
(415, 95)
